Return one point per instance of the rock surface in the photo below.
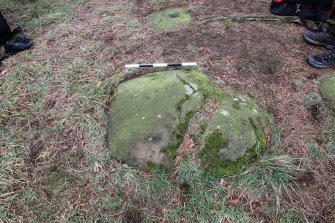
(233, 138)
(169, 19)
(146, 115)
(327, 90)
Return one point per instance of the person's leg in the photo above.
(14, 41)
(5, 31)
(326, 59)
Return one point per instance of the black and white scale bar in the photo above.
(161, 65)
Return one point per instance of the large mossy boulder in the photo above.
(327, 90)
(233, 138)
(148, 116)
(169, 19)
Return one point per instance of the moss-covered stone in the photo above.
(233, 138)
(327, 89)
(169, 19)
(149, 113)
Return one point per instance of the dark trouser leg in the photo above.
(5, 30)
(331, 21)
(326, 59)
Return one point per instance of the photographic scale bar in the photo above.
(161, 65)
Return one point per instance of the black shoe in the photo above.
(320, 39)
(16, 31)
(323, 60)
(21, 45)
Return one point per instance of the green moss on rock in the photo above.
(150, 115)
(233, 138)
(327, 90)
(169, 19)
(147, 116)
(214, 142)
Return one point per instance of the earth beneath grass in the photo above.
(66, 82)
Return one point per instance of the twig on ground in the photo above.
(245, 18)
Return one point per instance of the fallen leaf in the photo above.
(222, 182)
(97, 167)
(226, 220)
(181, 199)
(3, 151)
(2, 73)
(85, 187)
(234, 202)
(256, 204)
(113, 170)
(81, 144)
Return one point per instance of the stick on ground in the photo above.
(245, 18)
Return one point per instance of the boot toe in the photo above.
(18, 46)
(315, 62)
(308, 37)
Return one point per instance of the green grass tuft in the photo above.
(272, 175)
(38, 13)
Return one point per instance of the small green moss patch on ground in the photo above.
(169, 19)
